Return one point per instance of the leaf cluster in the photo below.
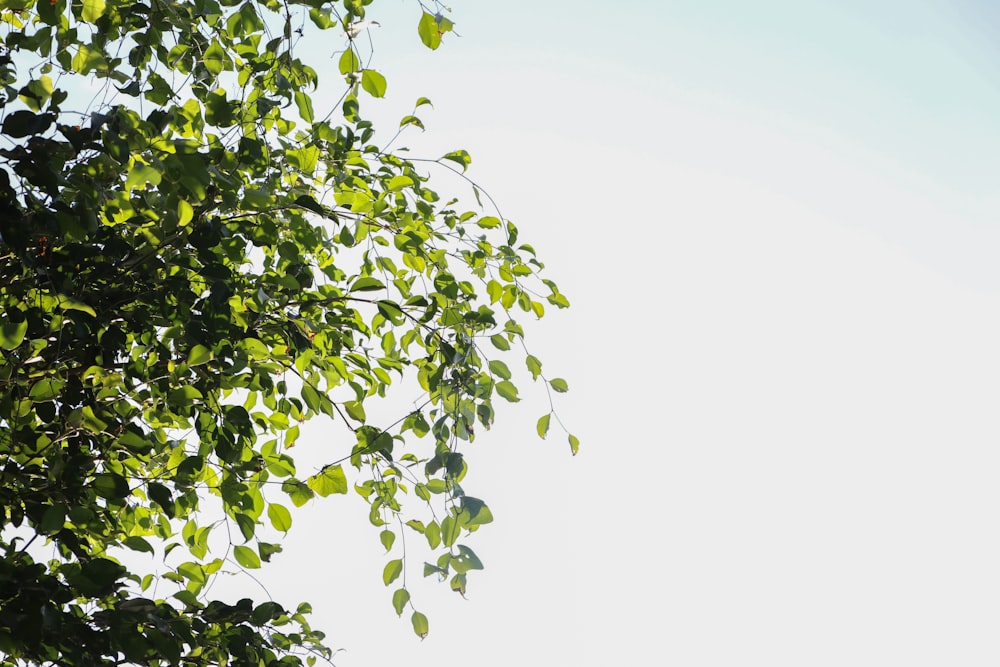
(191, 266)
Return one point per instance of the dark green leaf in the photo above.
(330, 480)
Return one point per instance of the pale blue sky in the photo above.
(777, 222)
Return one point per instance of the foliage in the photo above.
(193, 263)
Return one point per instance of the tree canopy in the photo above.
(195, 258)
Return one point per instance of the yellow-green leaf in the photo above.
(305, 106)
(280, 517)
(428, 31)
(185, 212)
(399, 182)
(349, 62)
(246, 557)
(543, 425)
(199, 355)
(330, 480)
(559, 385)
(93, 10)
(373, 83)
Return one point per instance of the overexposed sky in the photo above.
(777, 223)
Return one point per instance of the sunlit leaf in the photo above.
(280, 517)
(246, 557)
(373, 83)
(329, 481)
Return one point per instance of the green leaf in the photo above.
(450, 530)
(280, 517)
(574, 444)
(215, 57)
(53, 519)
(97, 577)
(559, 385)
(461, 157)
(373, 83)
(45, 389)
(419, 624)
(508, 391)
(185, 213)
(142, 175)
(199, 355)
(399, 600)
(136, 543)
(355, 410)
(93, 10)
(411, 120)
(111, 486)
(305, 106)
(489, 222)
(534, 366)
(387, 537)
(87, 60)
(367, 284)
(349, 62)
(299, 492)
(67, 303)
(11, 334)
(543, 425)
(500, 342)
(433, 534)
(500, 369)
(91, 421)
(428, 31)
(246, 525)
(399, 182)
(392, 570)
(328, 481)
(246, 557)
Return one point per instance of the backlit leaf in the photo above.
(246, 557)
(373, 83)
(280, 517)
(330, 480)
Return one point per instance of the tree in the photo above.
(193, 261)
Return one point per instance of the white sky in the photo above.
(777, 222)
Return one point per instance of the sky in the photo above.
(777, 223)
